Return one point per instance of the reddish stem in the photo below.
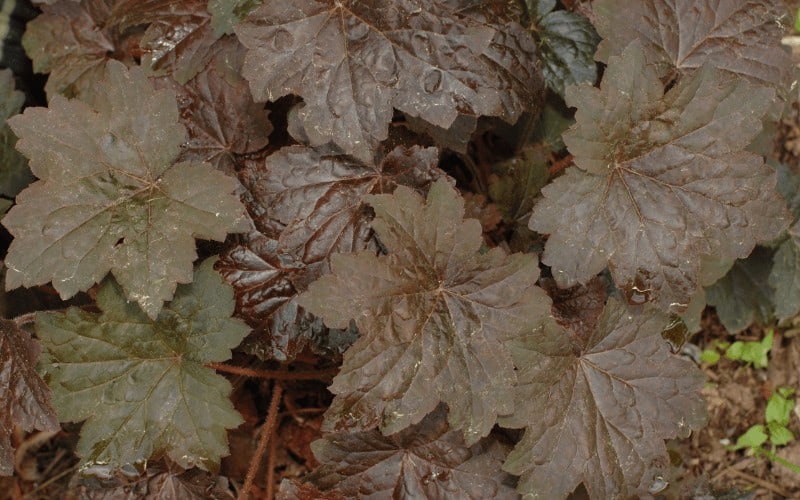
(274, 374)
(267, 431)
(559, 165)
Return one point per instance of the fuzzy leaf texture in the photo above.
(432, 315)
(597, 404)
(660, 179)
(426, 460)
(110, 197)
(738, 36)
(141, 384)
(24, 395)
(567, 41)
(353, 61)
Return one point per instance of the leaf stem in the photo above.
(267, 430)
(274, 374)
(559, 165)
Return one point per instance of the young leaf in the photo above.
(517, 181)
(111, 197)
(25, 397)
(179, 39)
(751, 352)
(779, 435)
(779, 408)
(352, 62)
(433, 315)
(659, 178)
(744, 295)
(597, 405)
(426, 460)
(567, 42)
(753, 438)
(742, 37)
(70, 41)
(141, 384)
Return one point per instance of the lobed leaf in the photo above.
(433, 316)
(744, 295)
(426, 460)
(140, 383)
(784, 277)
(222, 120)
(659, 178)
(567, 41)
(70, 40)
(111, 197)
(738, 36)
(24, 395)
(179, 39)
(597, 405)
(352, 62)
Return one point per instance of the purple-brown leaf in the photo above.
(24, 395)
(739, 36)
(426, 460)
(353, 61)
(660, 179)
(598, 405)
(432, 315)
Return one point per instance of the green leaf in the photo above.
(14, 172)
(141, 384)
(751, 352)
(567, 42)
(784, 277)
(753, 438)
(226, 13)
(433, 315)
(111, 197)
(779, 408)
(550, 127)
(779, 435)
(710, 357)
(517, 181)
(744, 295)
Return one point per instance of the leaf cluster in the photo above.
(402, 189)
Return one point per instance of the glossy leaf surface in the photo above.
(111, 198)
(659, 178)
(427, 460)
(432, 314)
(738, 36)
(597, 405)
(353, 61)
(141, 384)
(25, 397)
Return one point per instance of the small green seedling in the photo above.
(754, 352)
(797, 21)
(776, 431)
(711, 354)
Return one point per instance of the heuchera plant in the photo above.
(506, 250)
